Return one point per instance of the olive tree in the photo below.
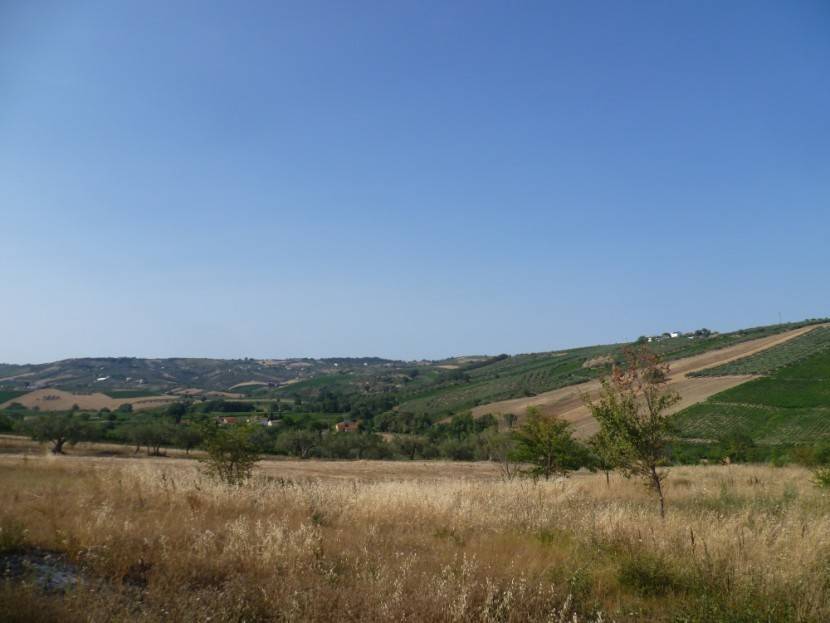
(57, 429)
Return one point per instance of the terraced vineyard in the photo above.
(522, 375)
(775, 358)
(790, 406)
(529, 375)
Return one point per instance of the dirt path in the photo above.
(567, 402)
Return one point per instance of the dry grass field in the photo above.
(152, 540)
(59, 400)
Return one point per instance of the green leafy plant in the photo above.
(231, 453)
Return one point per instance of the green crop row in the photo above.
(765, 425)
(776, 357)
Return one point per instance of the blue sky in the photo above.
(406, 179)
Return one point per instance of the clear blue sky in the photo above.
(406, 179)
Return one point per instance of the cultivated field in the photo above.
(151, 541)
(59, 400)
(777, 357)
(567, 402)
(792, 405)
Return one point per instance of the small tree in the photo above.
(187, 436)
(151, 431)
(602, 450)
(632, 411)
(409, 445)
(57, 430)
(230, 453)
(299, 443)
(501, 448)
(547, 444)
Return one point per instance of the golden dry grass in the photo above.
(59, 400)
(157, 541)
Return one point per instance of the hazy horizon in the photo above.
(406, 181)
(550, 348)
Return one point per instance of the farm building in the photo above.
(347, 426)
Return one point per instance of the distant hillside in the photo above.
(529, 375)
(107, 374)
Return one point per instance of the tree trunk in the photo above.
(658, 487)
(57, 445)
(607, 478)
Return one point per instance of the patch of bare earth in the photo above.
(568, 402)
(195, 391)
(58, 400)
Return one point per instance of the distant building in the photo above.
(347, 426)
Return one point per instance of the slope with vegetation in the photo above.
(775, 358)
(791, 405)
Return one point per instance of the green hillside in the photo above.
(510, 377)
(776, 357)
(792, 405)
(529, 375)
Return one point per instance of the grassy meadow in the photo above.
(154, 540)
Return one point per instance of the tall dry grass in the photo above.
(739, 544)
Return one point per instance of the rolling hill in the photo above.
(703, 365)
(108, 374)
(568, 403)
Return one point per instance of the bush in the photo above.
(231, 454)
